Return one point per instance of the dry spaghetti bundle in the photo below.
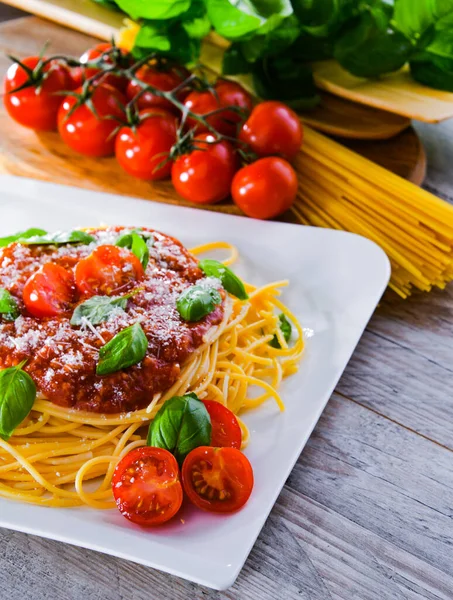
(56, 451)
(342, 190)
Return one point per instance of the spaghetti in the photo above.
(56, 450)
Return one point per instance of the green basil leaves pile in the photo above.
(273, 39)
(230, 281)
(126, 348)
(17, 395)
(197, 302)
(182, 424)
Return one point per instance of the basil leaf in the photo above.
(286, 329)
(369, 47)
(434, 71)
(230, 281)
(182, 424)
(8, 306)
(413, 18)
(321, 18)
(33, 232)
(17, 395)
(196, 302)
(60, 237)
(137, 241)
(97, 309)
(156, 9)
(127, 348)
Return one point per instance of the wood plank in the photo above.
(365, 514)
(395, 92)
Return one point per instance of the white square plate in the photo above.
(336, 280)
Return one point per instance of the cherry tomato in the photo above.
(49, 291)
(36, 106)
(217, 479)
(99, 53)
(89, 133)
(202, 103)
(265, 188)
(108, 270)
(226, 431)
(146, 486)
(164, 79)
(273, 129)
(141, 149)
(231, 93)
(204, 176)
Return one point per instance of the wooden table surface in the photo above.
(367, 512)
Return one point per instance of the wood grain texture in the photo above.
(396, 92)
(367, 512)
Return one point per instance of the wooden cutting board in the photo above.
(334, 115)
(44, 156)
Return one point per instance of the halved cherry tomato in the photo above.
(108, 270)
(164, 79)
(265, 188)
(146, 486)
(226, 431)
(92, 133)
(49, 291)
(36, 106)
(139, 150)
(204, 176)
(104, 54)
(217, 479)
(273, 129)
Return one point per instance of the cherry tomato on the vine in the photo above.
(226, 431)
(49, 291)
(36, 106)
(217, 479)
(231, 93)
(104, 54)
(141, 149)
(146, 486)
(273, 129)
(204, 175)
(108, 270)
(92, 133)
(164, 79)
(265, 188)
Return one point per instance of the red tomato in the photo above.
(108, 270)
(265, 188)
(231, 93)
(141, 149)
(226, 431)
(146, 486)
(49, 291)
(103, 53)
(217, 479)
(164, 79)
(36, 106)
(89, 133)
(273, 129)
(204, 176)
(202, 103)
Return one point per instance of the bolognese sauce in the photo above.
(62, 358)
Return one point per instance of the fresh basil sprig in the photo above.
(230, 281)
(97, 309)
(286, 330)
(17, 395)
(196, 302)
(8, 306)
(29, 233)
(126, 348)
(138, 242)
(182, 424)
(75, 236)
